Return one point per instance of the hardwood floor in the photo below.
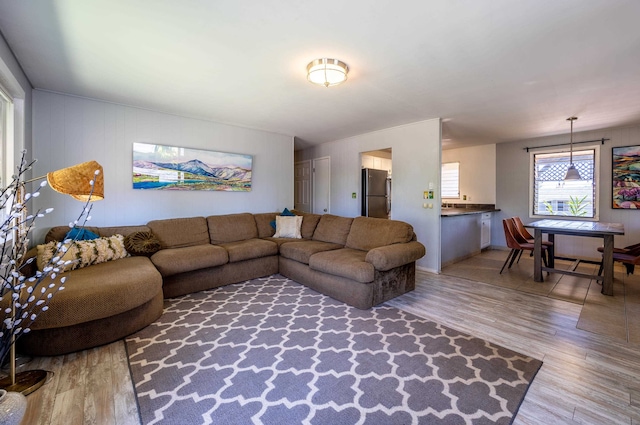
(586, 378)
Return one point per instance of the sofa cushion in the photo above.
(345, 262)
(81, 234)
(367, 233)
(79, 254)
(302, 250)
(309, 223)
(231, 228)
(332, 228)
(263, 223)
(142, 243)
(288, 227)
(249, 249)
(172, 261)
(180, 232)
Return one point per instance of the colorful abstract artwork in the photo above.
(626, 177)
(161, 167)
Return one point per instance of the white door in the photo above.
(302, 186)
(321, 185)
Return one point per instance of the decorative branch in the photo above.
(23, 298)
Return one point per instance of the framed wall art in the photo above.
(160, 167)
(626, 177)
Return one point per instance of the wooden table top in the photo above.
(578, 227)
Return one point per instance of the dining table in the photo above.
(594, 229)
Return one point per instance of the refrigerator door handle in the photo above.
(388, 196)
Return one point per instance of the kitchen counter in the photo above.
(465, 232)
(457, 210)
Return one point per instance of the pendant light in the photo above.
(572, 172)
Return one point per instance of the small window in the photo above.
(450, 180)
(5, 134)
(553, 196)
(5, 105)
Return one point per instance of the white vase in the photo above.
(12, 407)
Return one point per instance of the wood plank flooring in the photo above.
(586, 378)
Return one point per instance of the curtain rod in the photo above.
(565, 144)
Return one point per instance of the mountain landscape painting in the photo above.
(160, 167)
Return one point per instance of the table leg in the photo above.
(607, 263)
(551, 251)
(537, 256)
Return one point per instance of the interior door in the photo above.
(302, 186)
(322, 185)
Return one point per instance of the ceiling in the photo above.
(493, 70)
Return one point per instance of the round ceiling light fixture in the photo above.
(327, 72)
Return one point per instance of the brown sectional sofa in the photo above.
(361, 261)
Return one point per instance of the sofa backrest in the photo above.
(231, 228)
(367, 233)
(263, 223)
(58, 233)
(180, 232)
(332, 228)
(309, 223)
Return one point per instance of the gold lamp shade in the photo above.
(75, 181)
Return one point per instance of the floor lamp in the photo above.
(84, 182)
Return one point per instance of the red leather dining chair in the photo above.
(629, 256)
(517, 243)
(526, 235)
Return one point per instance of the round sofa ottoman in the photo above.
(100, 304)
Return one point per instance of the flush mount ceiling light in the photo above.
(327, 72)
(572, 172)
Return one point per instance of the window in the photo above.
(553, 196)
(6, 148)
(450, 180)
(5, 107)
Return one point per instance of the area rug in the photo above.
(271, 351)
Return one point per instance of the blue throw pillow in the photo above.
(284, 213)
(81, 234)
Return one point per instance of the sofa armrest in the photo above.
(387, 257)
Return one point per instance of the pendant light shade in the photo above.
(327, 72)
(572, 172)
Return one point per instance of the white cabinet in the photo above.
(485, 230)
(385, 164)
(367, 161)
(377, 163)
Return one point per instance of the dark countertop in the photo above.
(466, 210)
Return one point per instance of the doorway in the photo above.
(302, 186)
(376, 187)
(322, 185)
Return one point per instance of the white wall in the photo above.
(512, 188)
(477, 173)
(416, 162)
(68, 130)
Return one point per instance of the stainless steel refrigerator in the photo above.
(376, 193)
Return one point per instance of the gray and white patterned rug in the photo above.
(271, 351)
